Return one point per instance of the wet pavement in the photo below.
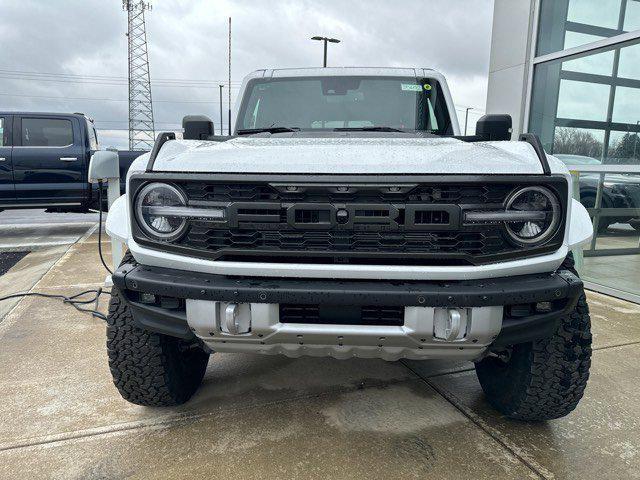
(275, 417)
(36, 229)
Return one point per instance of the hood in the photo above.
(348, 155)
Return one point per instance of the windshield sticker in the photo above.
(427, 87)
(410, 87)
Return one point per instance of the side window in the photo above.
(46, 132)
(2, 132)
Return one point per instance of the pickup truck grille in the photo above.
(358, 244)
(353, 222)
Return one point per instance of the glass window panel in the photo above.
(582, 108)
(578, 146)
(626, 107)
(599, 13)
(575, 39)
(1, 132)
(618, 231)
(629, 66)
(554, 15)
(600, 64)
(624, 148)
(632, 16)
(583, 100)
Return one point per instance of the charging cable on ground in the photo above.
(74, 300)
(77, 300)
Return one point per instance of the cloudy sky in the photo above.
(71, 55)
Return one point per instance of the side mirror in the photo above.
(494, 127)
(197, 127)
(104, 164)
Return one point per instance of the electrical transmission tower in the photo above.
(141, 128)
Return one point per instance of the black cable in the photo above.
(100, 228)
(73, 300)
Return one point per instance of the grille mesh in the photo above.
(451, 193)
(486, 242)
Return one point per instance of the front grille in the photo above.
(376, 223)
(341, 314)
(418, 222)
(488, 241)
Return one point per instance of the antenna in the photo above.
(229, 76)
(141, 127)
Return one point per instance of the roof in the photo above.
(47, 114)
(344, 71)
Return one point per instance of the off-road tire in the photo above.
(546, 378)
(148, 368)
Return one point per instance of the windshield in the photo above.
(327, 103)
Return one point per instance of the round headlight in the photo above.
(154, 211)
(540, 215)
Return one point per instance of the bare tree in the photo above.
(576, 142)
(626, 149)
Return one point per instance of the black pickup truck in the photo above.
(44, 158)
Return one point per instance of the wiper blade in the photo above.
(249, 131)
(368, 129)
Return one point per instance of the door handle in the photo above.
(68, 159)
(2, 159)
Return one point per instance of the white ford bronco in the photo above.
(347, 217)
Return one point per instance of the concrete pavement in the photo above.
(274, 417)
(35, 229)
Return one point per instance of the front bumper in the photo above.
(492, 308)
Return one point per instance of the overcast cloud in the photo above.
(188, 40)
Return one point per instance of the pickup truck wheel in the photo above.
(544, 379)
(148, 368)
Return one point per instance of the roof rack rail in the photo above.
(535, 142)
(162, 138)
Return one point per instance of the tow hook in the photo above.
(450, 324)
(236, 320)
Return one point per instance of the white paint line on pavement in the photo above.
(21, 226)
(31, 246)
(72, 239)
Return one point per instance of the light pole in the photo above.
(466, 118)
(221, 131)
(325, 40)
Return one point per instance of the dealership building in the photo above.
(569, 71)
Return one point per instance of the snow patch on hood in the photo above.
(342, 155)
